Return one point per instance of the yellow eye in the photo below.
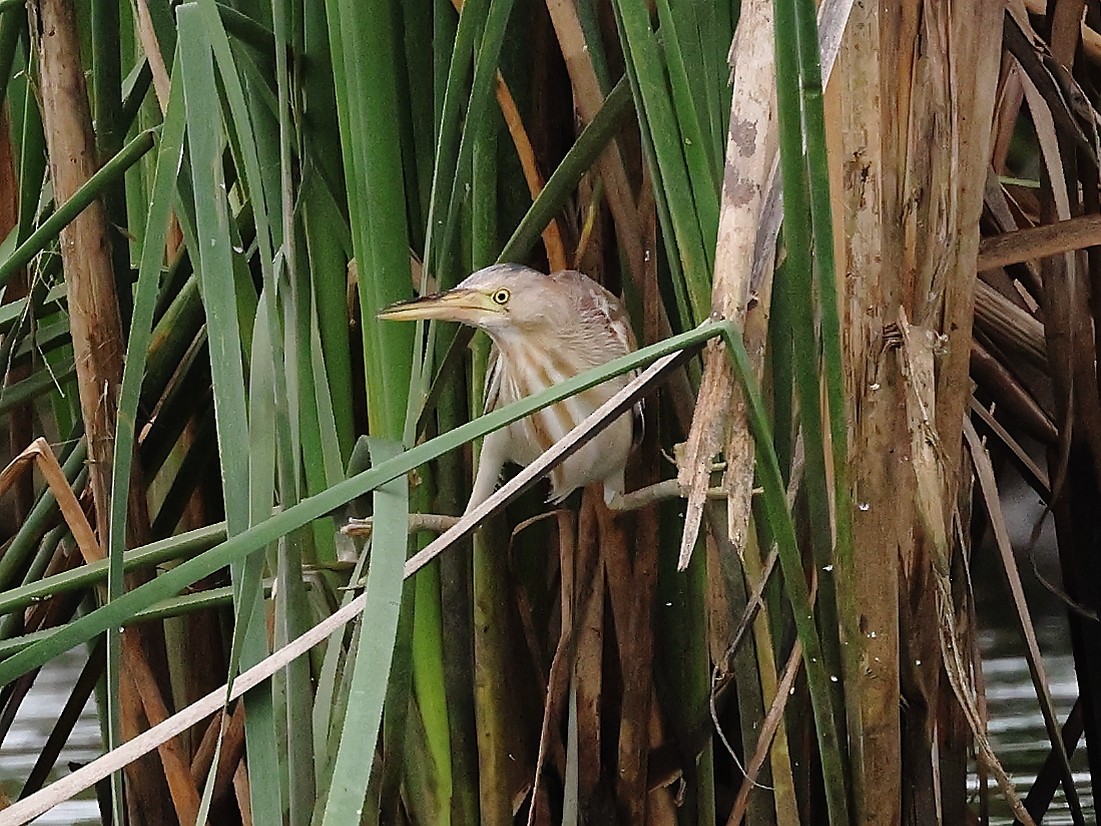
(501, 296)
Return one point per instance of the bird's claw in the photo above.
(658, 492)
(358, 527)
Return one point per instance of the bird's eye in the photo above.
(501, 297)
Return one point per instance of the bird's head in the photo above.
(498, 298)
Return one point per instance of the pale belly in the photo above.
(601, 459)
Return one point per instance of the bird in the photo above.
(545, 329)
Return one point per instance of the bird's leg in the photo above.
(651, 494)
(491, 461)
(676, 459)
(617, 500)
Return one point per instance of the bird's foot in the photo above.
(658, 492)
(678, 458)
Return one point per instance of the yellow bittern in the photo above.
(545, 329)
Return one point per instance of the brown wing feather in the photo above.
(595, 298)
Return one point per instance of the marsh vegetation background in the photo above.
(865, 233)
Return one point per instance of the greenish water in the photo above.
(32, 725)
(1016, 727)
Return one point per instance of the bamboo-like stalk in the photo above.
(489, 582)
(879, 249)
(456, 626)
(876, 476)
(106, 60)
(97, 342)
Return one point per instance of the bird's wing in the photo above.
(620, 326)
(491, 392)
(592, 298)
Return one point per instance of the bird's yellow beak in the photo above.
(454, 305)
